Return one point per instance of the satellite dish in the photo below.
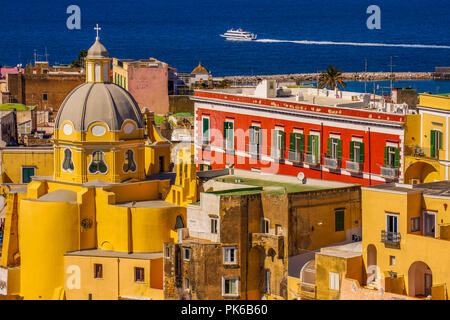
(301, 177)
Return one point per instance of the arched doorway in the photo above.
(371, 264)
(308, 278)
(421, 172)
(420, 280)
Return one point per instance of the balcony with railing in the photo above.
(311, 159)
(390, 238)
(354, 167)
(255, 150)
(307, 290)
(389, 172)
(332, 163)
(295, 156)
(277, 153)
(421, 152)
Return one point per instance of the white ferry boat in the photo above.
(239, 35)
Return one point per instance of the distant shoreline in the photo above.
(348, 76)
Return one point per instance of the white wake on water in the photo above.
(362, 44)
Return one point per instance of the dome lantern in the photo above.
(98, 63)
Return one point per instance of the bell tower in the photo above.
(98, 63)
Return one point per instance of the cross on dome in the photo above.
(97, 28)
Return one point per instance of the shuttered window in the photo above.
(339, 220)
(391, 157)
(297, 142)
(435, 143)
(205, 130)
(334, 148)
(313, 145)
(228, 135)
(356, 151)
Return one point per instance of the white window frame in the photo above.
(226, 253)
(392, 260)
(425, 229)
(334, 281)
(186, 249)
(209, 130)
(237, 286)
(387, 221)
(265, 226)
(216, 225)
(231, 147)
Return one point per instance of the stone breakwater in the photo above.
(352, 76)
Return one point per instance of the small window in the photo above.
(98, 271)
(139, 274)
(230, 286)
(68, 162)
(214, 223)
(334, 281)
(98, 163)
(267, 281)
(128, 163)
(392, 260)
(229, 255)
(27, 173)
(167, 252)
(339, 221)
(415, 224)
(265, 223)
(44, 97)
(187, 254)
(186, 284)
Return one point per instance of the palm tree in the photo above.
(332, 78)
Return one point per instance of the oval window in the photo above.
(67, 129)
(98, 130)
(129, 128)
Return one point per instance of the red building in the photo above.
(330, 137)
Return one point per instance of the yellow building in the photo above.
(427, 140)
(406, 233)
(103, 214)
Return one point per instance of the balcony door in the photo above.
(430, 224)
(392, 223)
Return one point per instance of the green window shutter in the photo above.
(352, 149)
(329, 147)
(283, 138)
(433, 143)
(252, 135)
(292, 142)
(397, 158)
(309, 144)
(274, 138)
(386, 155)
(302, 143)
(361, 152)
(339, 149)
(205, 129)
(230, 133)
(440, 140)
(316, 146)
(225, 127)
(259, 136)
(339, 221)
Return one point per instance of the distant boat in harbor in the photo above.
(239, 35)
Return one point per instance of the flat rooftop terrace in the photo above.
(438, 188)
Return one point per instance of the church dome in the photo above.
(95, 102)
(200, 69)
(97, 50)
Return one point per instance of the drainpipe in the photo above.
(321, 150)
(370, 162)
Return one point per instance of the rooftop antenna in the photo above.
(46, 55)
(365, 76)
(392, 74)
(35, 56)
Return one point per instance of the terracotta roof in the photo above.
(200, 69)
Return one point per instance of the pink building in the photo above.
(149, 81)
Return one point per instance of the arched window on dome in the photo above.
(129, 164)
(68, 162)
(98, 164)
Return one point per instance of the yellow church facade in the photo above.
(95, 228)
(427, 136)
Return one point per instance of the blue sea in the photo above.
(295, 36)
